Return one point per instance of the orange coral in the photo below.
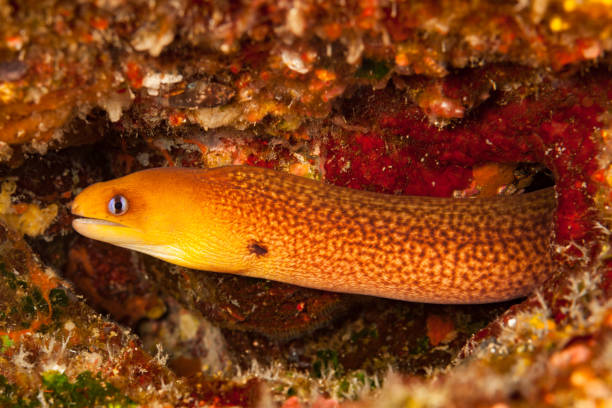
(440, 329)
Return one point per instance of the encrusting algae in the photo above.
(28, 219)
(449, 98)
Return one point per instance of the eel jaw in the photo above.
(129, 238)
(107, 231)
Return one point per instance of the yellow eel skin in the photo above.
(268, 224)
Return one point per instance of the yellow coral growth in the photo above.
(26, 218)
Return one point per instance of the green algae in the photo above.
(372, 69)
(421, 347)
(11, 279)
(87, 390)
(33, 304)
(57, 390)
(59, 301)
(10, 398)
(326, 360)
(30, 302)
(5, 343)
(349, 383)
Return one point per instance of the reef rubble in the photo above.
(451, 99)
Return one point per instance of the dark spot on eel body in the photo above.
(258, 249)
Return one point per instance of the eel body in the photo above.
(267, 224)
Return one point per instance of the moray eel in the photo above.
(267, 224)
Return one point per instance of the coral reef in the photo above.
(58, 352)
(451, 99)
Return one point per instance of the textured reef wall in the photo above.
(441, 98)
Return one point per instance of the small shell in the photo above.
(202, 94)
(12, 70)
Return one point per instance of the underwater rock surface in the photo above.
(449, 99)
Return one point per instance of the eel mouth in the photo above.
(107, 231)
(95, 221)
(83, 224)
(127, 237)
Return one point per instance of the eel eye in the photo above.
(118, 205)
